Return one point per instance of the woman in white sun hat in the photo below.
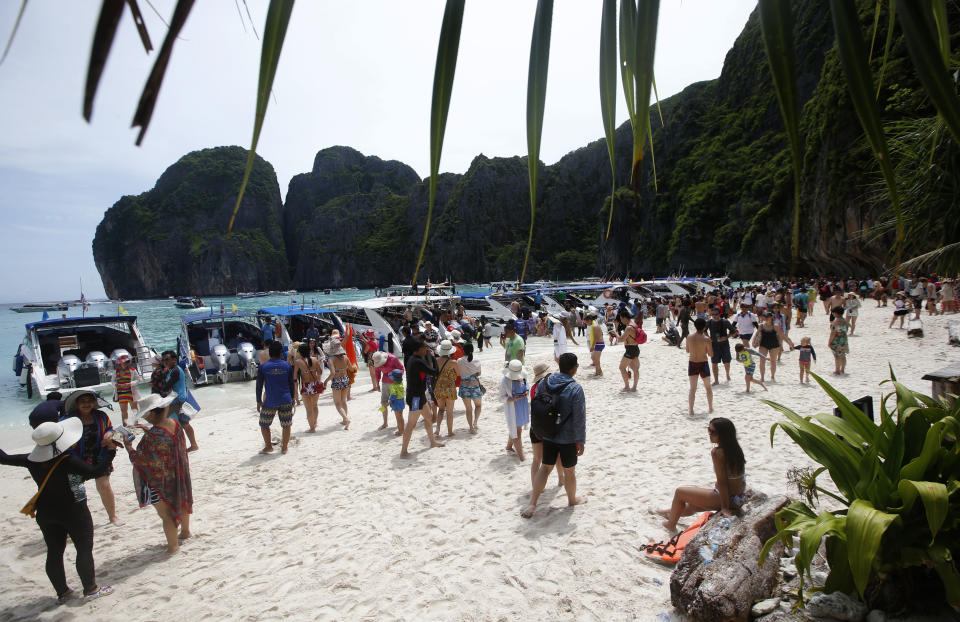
(516, 409)
(445, 386)
(161, 471)
(61, 502)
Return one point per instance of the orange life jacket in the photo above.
(672, 549)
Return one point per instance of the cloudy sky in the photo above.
(355, 73)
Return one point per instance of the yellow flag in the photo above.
(235, 308)
(121, 310)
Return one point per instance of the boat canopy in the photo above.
(79, 321)
(294, 310)
(383, 302)
(190, 318)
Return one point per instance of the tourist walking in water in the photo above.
(516, 408)
(309, 372)
(96, 446)
(700, 349)
(60, 505)
(568, 442)
(276, 378)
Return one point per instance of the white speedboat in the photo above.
(383, 315)
(220, 347)
(295, 320)
(68, 354)
(190, 302)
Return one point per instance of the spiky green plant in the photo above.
(897, 484)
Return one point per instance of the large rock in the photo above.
(171, 240)
(727, 587)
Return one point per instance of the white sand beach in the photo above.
(342, 528)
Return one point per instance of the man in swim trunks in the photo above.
(720, 330)
(595, 340)
(276, 376)
(699, 347)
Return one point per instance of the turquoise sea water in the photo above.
(158, 320)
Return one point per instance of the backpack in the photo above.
(545, 419)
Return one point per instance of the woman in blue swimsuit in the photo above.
(729, 467)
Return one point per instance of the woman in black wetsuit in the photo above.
(61, 507)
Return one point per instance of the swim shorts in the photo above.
(631, 351)
(397, 403)
(721, 352)
(701, 369)
(470, 391)
(284, 412)
(339, 383)
(567, 453)
(598, 347)
(416, 402)
(749, 369)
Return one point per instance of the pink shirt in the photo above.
(383, 372)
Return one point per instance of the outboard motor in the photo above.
(65, 368)
(220, 356)
(248, 354)
(98, 358)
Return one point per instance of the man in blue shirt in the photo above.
(276, 376)
(570, 438)
(267, 330)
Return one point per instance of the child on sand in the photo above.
(806, 353)
(745, 357)
(397, 403)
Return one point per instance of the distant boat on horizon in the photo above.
(40, 307)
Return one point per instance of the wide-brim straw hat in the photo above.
(70, 404)
(379, 358)
(445, 348)
(514, 370)
(335, 348)
(540, 370)
(55, 437)
(154, 401)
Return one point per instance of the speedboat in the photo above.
(190, 302)
(384, 315)
(252, 294)
(220, 347)
(296, 319)
(40, 307)
(68, 354)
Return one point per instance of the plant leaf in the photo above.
(13, 33)
(110, 13)
(916, 469)
(141, 26)
(776, 24)
(935, 501)
(536, 100)
(443, 76)
(274, 31)
(645, 37)
(853, 59)
(864, 530)
(608, 90)
(924, 45)
(888, 43)
(151, 90)
(854, 416)
(946, 566)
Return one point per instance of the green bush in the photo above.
(897, 482)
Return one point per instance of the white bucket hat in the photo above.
(154, 401)
(53, 438)
(379, 359)
(445, 348)
(455, 336)
(514, 370)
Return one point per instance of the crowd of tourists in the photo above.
(437, 367)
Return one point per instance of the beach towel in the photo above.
(671, 550)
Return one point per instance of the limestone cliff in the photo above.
(170, 240)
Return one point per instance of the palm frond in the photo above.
(13, 33)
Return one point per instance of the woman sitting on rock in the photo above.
(728, 465)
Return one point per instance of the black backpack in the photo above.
(545, 419)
